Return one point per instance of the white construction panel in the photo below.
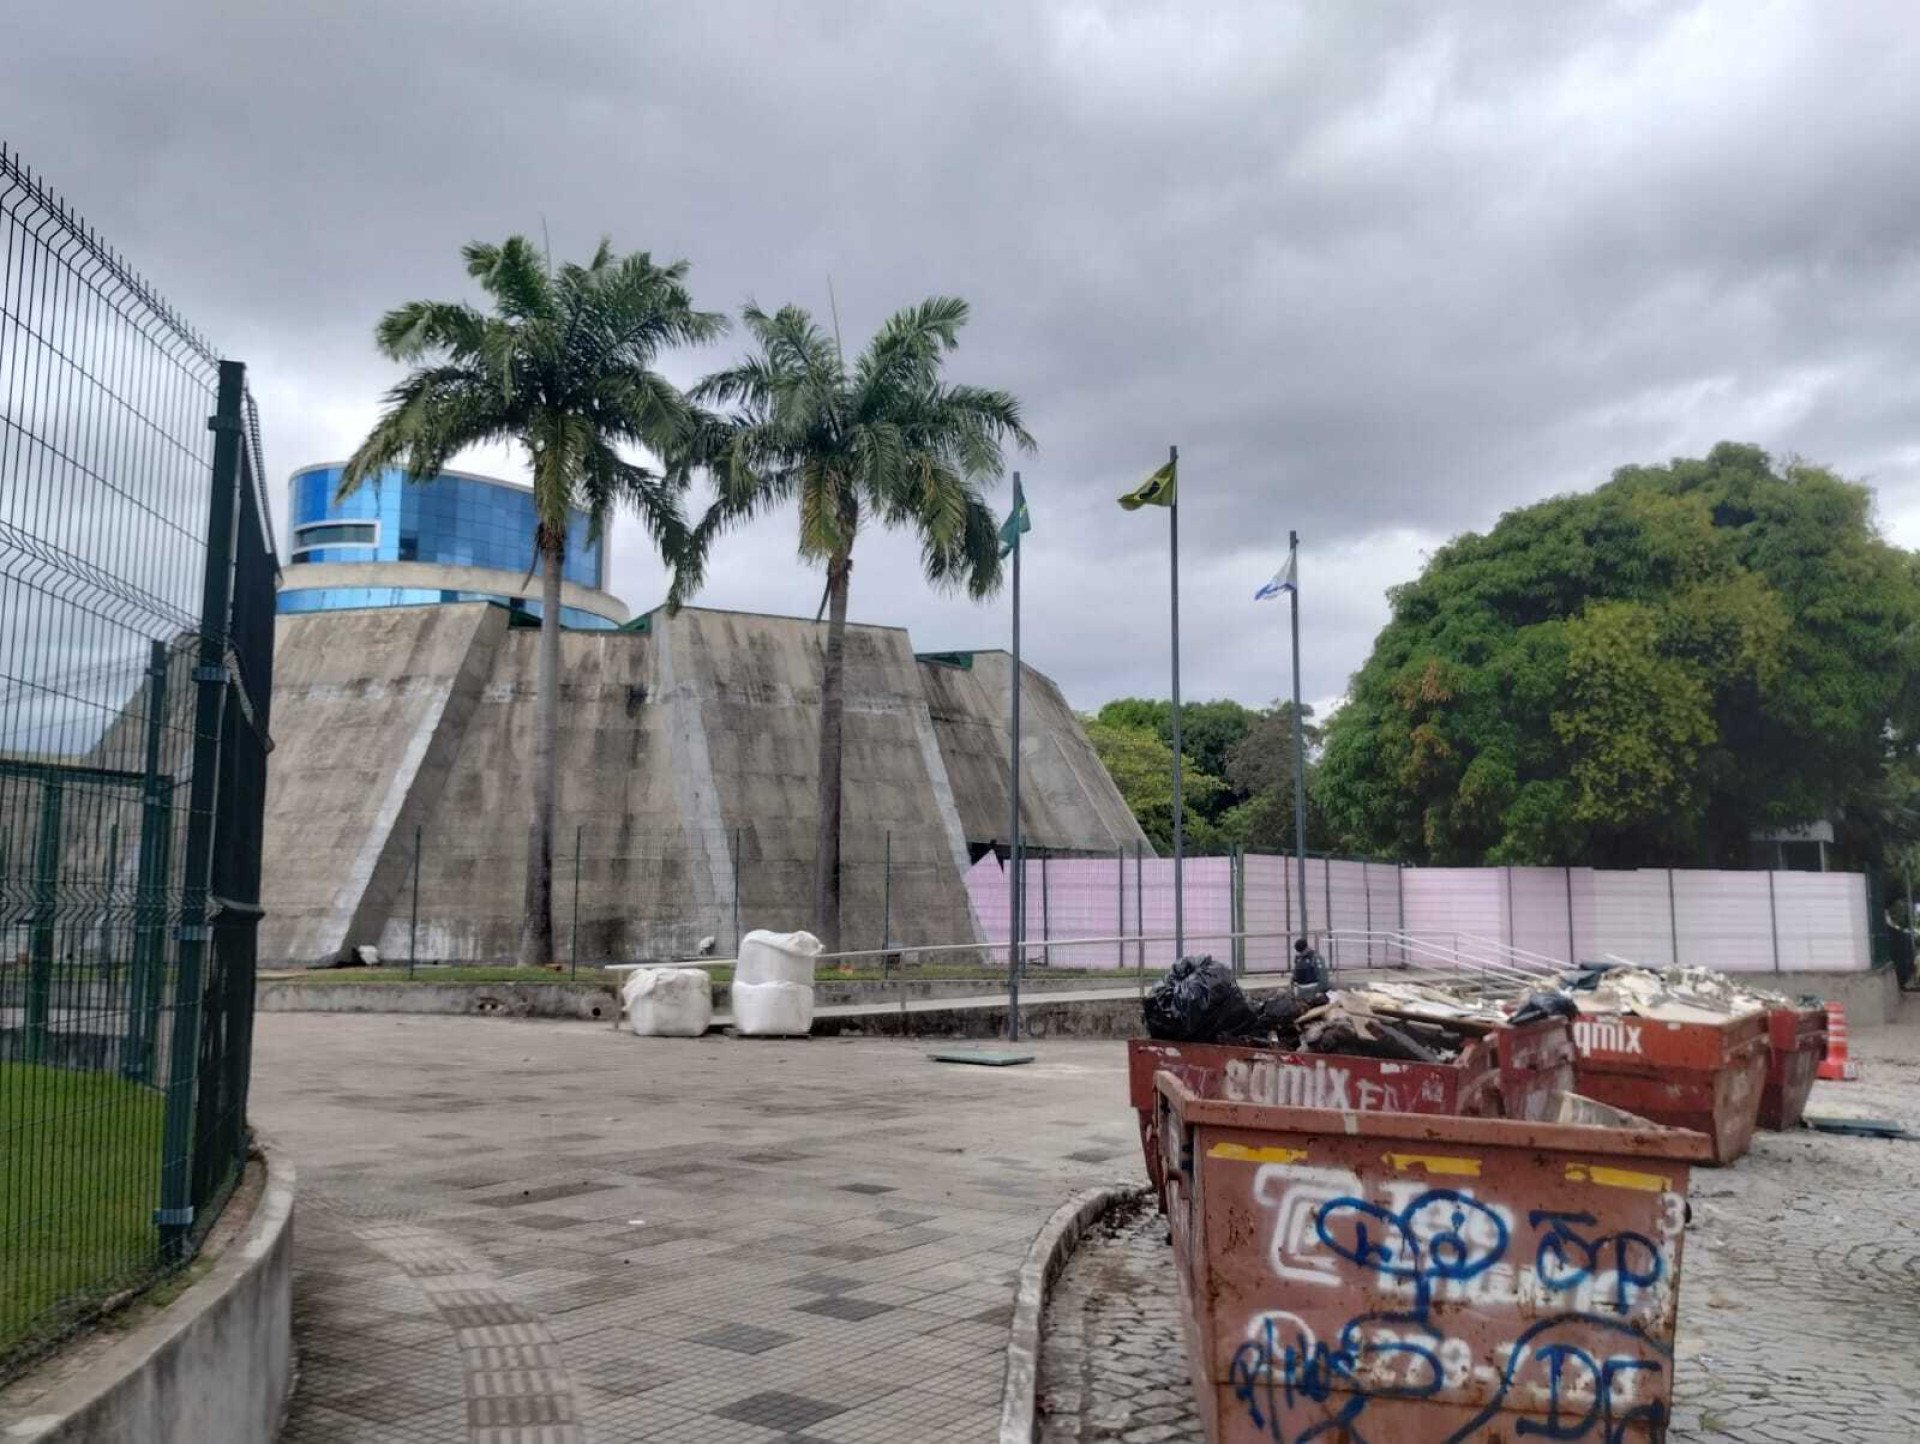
(1622, 915)
(1822, 918)
(1540, 911)
(1449, 908)
(1723, 920)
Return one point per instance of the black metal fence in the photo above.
(136, 653)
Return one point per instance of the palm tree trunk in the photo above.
(826, 846)
(536, 932)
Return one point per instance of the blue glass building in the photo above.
(456, 538)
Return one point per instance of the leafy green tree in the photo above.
(561, 365)
(1209, 731)
(883, 440)
(1645, 673)
(1260, 770)
(1141, 765)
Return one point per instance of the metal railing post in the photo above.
(736, 893)
(886, 900)
(1046, 917)
(413, 921)
(150, 868)
(176, 1213)
(40, 936)
(579, 833)
(1773, 920)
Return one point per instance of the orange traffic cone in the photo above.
(1837, 1065)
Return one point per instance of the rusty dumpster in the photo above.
(1424, 1279)
(1512, 1072)
(1706, 1076)
(1796, 1042)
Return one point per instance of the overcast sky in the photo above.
(1381, 270)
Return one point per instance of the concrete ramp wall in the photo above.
(1068, 803)
(369, 709)
(688, 756)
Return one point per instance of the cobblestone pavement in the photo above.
(554, 1233)
(1799, 1305)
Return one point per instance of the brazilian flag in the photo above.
(1156, 490)
(1017, 521)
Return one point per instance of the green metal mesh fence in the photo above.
(136, 598)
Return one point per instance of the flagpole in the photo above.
(1179, 826)
(1016, 889)
(1299, 746)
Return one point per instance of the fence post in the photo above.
(579, 833)
(1573, 952)
(1237, 905)
(1140, 914)
(736, 894)
(1773, 921)
(1326, 923)
(1673, 919)
(1120, 894)
(886, 905)
(176, 1212)
(413, 920)
(1366, 887)
(1046, 917)
(150, 880)
(40, 937)
(106, 905)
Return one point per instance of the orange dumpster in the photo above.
(1705, 1076)
(1425, 1279)
(1797, 1041)
(1512, 1072)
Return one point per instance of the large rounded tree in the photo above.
(1646, 673)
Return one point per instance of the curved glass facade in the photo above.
(453, 520)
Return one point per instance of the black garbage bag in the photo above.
(1198, 1001)
(1536, 1006)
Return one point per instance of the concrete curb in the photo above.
(1051, 1248)
(214, 1364)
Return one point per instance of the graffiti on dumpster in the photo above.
(1581, 1368)
(1321, 1084)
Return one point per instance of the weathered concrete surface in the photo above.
(1067, 802)
(216, 1363)
(1870, 998)
(368, 712)
(687, 757)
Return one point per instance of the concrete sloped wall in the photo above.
(758, 684)
(368, 712)
(1068, 803)
(688, 755)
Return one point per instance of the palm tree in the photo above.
(562, 366)
(884, 440)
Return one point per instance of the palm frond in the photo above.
(515, 274)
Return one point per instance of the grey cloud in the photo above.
(1382, 271)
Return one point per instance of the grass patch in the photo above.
(593, 977)
(79, 1180)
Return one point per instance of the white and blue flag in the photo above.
(1287, 579)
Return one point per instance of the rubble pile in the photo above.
(1199, 1001)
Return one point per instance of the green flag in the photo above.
(1156, 490)
(1017, 520)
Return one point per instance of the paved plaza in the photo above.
(1799, 1303)
(549, 1233)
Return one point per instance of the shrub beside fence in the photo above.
(136, 651)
